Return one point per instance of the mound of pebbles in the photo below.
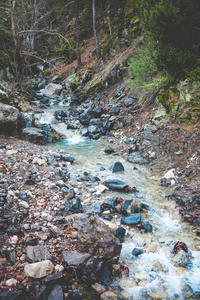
(49, 244)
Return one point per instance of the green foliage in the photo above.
(173, 29)
(141, 68)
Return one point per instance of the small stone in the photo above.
(99, 288)
(117, 167)
(109, 150)
(108, 296)
(24, 204)
(14, 240)
(59, 268)
(39, 269)
(11, 282)
(74, 257)
(158, 296)
(132, 219)
(56, 293)
(141, 276)
(153, 247)
(182, 258)
(37, 253)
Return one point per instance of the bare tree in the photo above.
(94, 29)
(78, 48)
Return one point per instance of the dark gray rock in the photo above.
(68, 158)
(115, 185)
(109, 150)
(126, 207)
(60, 114)
(147, 227)
(37, 253)
(115, 110)
(75, 258)
(120, 233)
(110, 203)
(137, 158)
(129, 101)
(74, 206)
(87, 115)
(93, 129)
(34, 135)
(116, 167)
(136, 252)
(97, 209)
(98, 243)
(132, 219)
(56, 293)
(84, 131)
(95, 122)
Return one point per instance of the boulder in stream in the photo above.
(115, 185)
(109, 150)
(132, 219)
(8, 117)
(116, 167)
(98, 243)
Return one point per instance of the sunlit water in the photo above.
(168, 280)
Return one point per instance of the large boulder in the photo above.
(89, 114)
(98, 243)
(115, 185)
(41, 136)
(8, 117)
(39, 269)
(52, 89)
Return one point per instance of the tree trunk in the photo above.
(17, 56)
(94, 29)
(78, 48)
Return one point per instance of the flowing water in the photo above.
(152, 275)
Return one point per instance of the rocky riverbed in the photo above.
(70, 230)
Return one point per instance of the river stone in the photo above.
(52, 89)
(95, 122)
(68, 158)
(109, 150)
(8, 116)
(99, 288)
(98, 243)
(126, 208)
(129, 101)
(132, 219)
(136, 252)
(153, 247)
(74, 206)
(84, 131)
(115, 185)
(60, 114)
(34, 135)
(120, 233)
(75, 258)
(87, 115)
(116, 167)
(158, 296)
(57, 293)
(181, 259)
(137, 158)
(108, 296)
(37, 253)
(39, 269)
(11, 282)
(83, 221)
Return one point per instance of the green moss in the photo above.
(162, 99)
(195, 108)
